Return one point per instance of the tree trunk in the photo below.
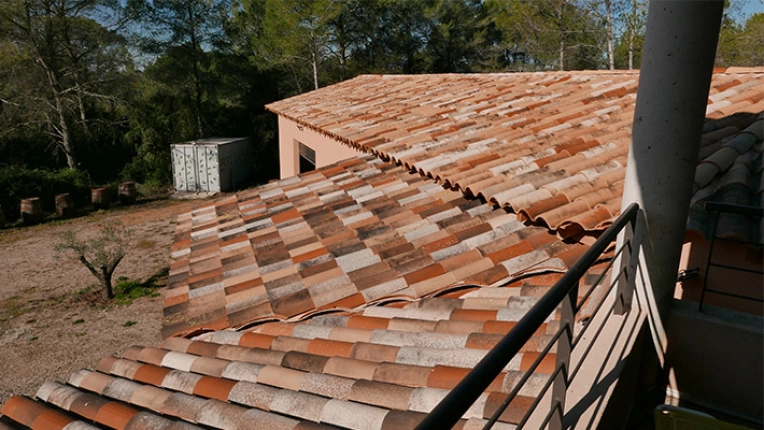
(197, 72)
(631, 50)
(106, 286)
(64, 141)
(561, 29)
(610, 55)
(83, 118)
(314, 63)
(632, 33)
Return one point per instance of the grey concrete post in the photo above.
(675, 76)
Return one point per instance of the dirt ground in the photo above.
(47, 329)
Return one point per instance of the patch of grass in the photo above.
(127, 290)
(83, 291)
(13, 308)
(129, 323)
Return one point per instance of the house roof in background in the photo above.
(551, 146)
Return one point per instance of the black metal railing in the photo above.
(565, 293)
(718, 209)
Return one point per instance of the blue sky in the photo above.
(748, 8)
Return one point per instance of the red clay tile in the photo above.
(498, 327)
(473, 315)
(514, 412)
(22, 410)
(402, 374)
(369, 323)
(304, 362)
(546, 366)
(52, 420)
(424, 274)
(329, 348)
(280, 377)
(204, 349)
(513, 251)
(541, 238)
(115, 415)
(485, 341)
(473, 231)
(309, 255)
(151, 374)
(446, 377)
(285, 216)
(488, 277)
(256, 340)
(242, 286)
(88, 405)
(105, 364)
(395, 420)
(374, 352)
(214, 388)
(209, 366)
(349, 302)
(387, 396)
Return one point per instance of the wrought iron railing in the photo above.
(565, 294)
(718, 209)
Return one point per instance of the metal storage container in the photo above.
(211, 165)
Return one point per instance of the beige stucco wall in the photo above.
(328, 150)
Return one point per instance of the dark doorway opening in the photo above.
(307, 158)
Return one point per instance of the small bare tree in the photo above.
(101, 254)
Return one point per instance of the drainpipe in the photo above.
(675, 76)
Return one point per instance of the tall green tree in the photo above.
(59, 66)
(741, 45)
(548, 34)
(461, 37)
(186, 30)
(290, 35)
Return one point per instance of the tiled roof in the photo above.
(730, 171)
(551, 146)
(382, 367)
(346, 236)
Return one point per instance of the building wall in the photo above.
(327, 150)
(716, 360)
(695, 255)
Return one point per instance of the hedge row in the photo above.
(17, 183)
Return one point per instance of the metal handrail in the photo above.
(448, 412)
(719, 208)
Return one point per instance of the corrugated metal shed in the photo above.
(211, 165)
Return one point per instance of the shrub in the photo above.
(20, 183)
(101, 254)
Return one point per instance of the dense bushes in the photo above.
(19, 183)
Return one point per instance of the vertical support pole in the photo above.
(564, 349)
(626, 268)
(708, 261)
(675, 76)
